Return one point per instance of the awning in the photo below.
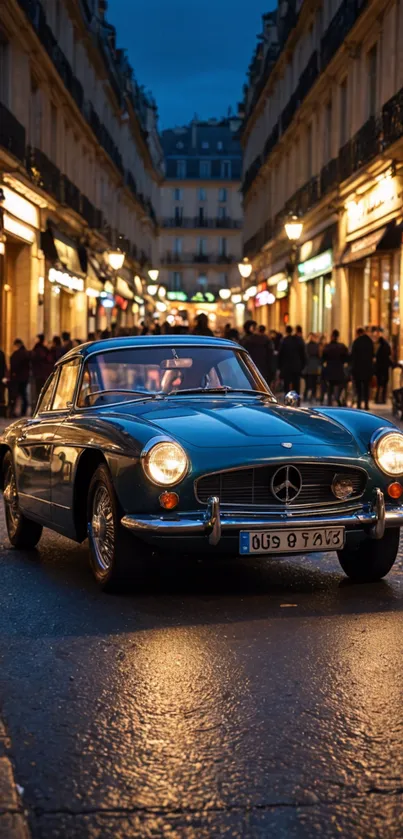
(322, 242)
(59, 248)
(385, 239)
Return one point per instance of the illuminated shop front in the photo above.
(65, 300)
(316, 273)
(372, 257)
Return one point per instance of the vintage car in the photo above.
(176, 443)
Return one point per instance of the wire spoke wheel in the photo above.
(11, 501)
(103, 528)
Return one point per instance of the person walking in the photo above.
(201, 326)
(260, 349)
(383, 364)
(312, 368)
(55, 349)
(67, 343)
(335, 356)
(291, 360)
(362, 363)
(19, 376)
(41, 366)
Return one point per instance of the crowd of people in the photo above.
(330, 371)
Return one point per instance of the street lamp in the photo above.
(245, 268)
(153, 274)
(152, 290)
(293, 228)
(225, 293)
(116, 259)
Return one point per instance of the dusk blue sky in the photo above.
(192, 54)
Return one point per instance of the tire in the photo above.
(22, 532)
(372, 559)
(113, 550)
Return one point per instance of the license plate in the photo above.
(291, 540)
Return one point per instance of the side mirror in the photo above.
(292, 399)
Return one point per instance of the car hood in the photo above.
(228, 423)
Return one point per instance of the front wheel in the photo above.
(22, 532)
(372, 559)
(113, 551)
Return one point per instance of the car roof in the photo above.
(146, 341)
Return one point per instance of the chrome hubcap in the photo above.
(11, 500)
(102, 528)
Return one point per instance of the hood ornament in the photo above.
(287, 445)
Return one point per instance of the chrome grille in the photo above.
(252, 487)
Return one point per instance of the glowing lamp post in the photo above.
(116, 259)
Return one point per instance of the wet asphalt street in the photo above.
(235, 699)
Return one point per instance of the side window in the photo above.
(46, 398)
(66, 385)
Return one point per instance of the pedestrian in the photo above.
(67, 343)
(291, 360)
(3, 383)
(276, 339)
(41, 366)
(55, 349)
(91, 336)
(260, 348)
(144, 328)
(227, 330)
(262, 329)
(19, 376)
(383, 364)
(335, 356)
(105, 334)
(233, 335)
(362, 365)
(77, 342)
(312, 368)
(201, 325)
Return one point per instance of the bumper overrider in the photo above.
(214, 523)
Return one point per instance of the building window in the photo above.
(222, 194)
(178, 215)
(205, 145)
(327, 149)
(372, 78)
(175, 280)
(202, 282)
(181, 168)
(219, 145)
(53, 132)
(202, 247)
(177, 194)
(178, 246)
(223, 246)
(202, 218)
(4, 70)
(205, 168)
(343, 113)
(222, 212)
(202, 194)
(226, 169)
(308, 153)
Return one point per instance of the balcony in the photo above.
(338, 29)
(173, 258)
(329, 176)
(44, 173)
(289, 111)
(196, 222)
(70, 194)
(308, 76)
(12, 133)
(88, 211)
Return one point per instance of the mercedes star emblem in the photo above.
(286, 484)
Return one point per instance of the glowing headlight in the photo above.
(165, 463)
(387, 451)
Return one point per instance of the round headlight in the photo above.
(165, 463)
(387, 451)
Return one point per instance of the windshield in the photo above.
(123, 374)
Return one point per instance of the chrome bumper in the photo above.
(214, 523)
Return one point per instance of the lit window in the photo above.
(205, 168)
(181, 168)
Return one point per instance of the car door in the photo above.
(32, 456)
(64, 451)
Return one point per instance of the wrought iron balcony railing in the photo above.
(70, 194)
(174, 258)
(329, 177)
(197, 222)
(44, 173)
(12, 133)
(392, 119)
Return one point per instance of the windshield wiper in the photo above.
(142, 394)
(224, 389)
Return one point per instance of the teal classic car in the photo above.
(176, 443)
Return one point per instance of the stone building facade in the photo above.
(80, 172)
(323, 139)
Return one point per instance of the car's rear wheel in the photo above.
(372, 559)
(113, 551)
(22, 532)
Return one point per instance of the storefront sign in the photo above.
(264, 298)
(20, 207)
(177, 295)
(66, 280)
(384, 198)
(203, 297)
(17, 229)
(315, 267)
